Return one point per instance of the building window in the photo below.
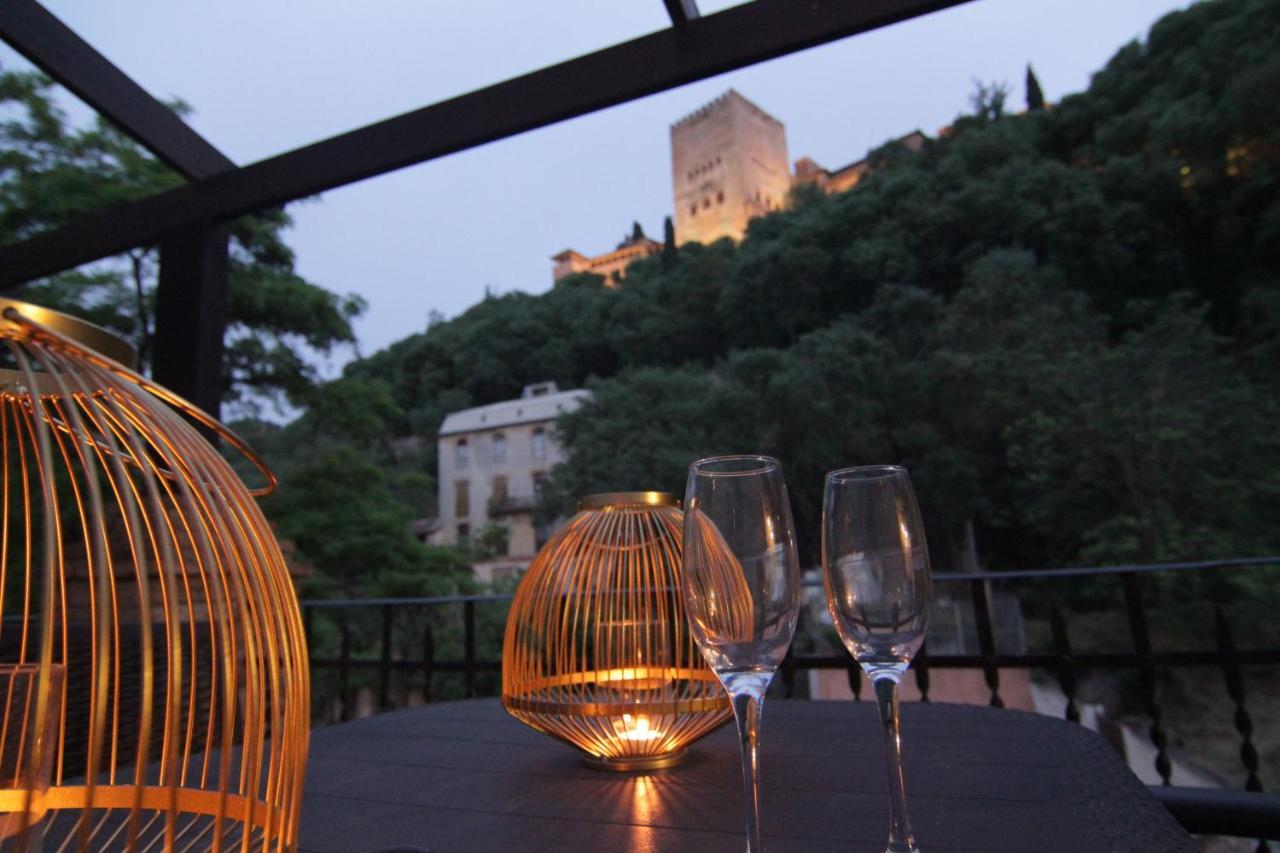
(462, 498)
(460, 454)
(464, 535)
(539, 444)
(539, 482)
(499, 489)
(499, 448)
(720, 197)
(693, 210)
(706, 202)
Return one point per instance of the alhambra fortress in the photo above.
(728, 165)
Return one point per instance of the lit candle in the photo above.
(637, 728)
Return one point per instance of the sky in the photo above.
(268, 76)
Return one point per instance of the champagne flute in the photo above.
(875, 568)
(741, 584)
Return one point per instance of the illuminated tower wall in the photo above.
(729, 165)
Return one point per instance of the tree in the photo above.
(668, 245)
(987, 100)
(52, 173)
(339, 509)
(1035, 97)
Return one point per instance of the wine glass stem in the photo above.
(901, 840)
(746, 711)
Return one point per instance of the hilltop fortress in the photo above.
(728, 165)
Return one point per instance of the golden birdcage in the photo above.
(146, 600)
(597, 652)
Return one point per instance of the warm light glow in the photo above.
(637, 728)
(597, 651)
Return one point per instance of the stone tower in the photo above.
(728, 165)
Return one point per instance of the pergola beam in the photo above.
(682, 11)
(736, 37)
(53, 47)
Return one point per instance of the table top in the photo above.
(464, 776)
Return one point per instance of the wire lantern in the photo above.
(146, 599)
(597, 652)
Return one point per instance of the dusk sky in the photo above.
(267, 77)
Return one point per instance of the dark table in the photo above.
(464, 776)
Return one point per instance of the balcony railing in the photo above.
(512, 504)
(382, 652)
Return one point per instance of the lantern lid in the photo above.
(606, 499)
(80, 331)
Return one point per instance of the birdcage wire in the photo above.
(134, 558)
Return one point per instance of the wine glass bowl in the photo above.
(741, 585)
(875, 565)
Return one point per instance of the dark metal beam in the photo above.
(52, 46)
(739, 36)
(682, 11)
(191, 315)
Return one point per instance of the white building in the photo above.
(492, 462)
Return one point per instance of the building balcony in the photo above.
(512, 505)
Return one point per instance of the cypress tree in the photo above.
(668, 244)
(1035, 97)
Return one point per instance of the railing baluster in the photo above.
(1235, 689)
(469, 627)
(1066, 665)
(344, 667)
(428, 661)
(921, 667)
(1146, 670)
(789, 675)
(986, 640)
(855, 681)
(384, 663)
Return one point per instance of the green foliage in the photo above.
(339, 508)
(1064, 322)
(1035, 95)
(52, 173)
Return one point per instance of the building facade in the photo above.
(847, 177)
(612, 265)
(728, 166)
(492, 462)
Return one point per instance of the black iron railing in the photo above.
(383, 647)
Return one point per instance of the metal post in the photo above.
(344, 666)
(1146, 670)
(191, 315)
(469, 619)
(384, 663)
(986, 640)
(1066, 665)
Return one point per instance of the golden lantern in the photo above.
(597, 652)
(142, 584)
